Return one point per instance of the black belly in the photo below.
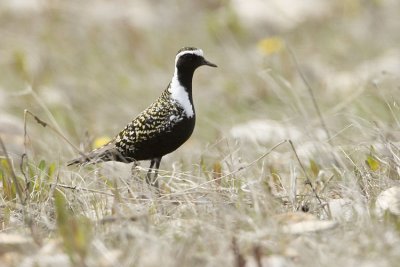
(164, 143)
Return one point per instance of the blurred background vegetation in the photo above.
(90, 67)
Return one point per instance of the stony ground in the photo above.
(294, 160)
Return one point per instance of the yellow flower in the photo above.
(271, 45)
(101, 141)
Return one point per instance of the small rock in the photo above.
(270, 261)
(57, 259)
(265, 131)
(299, 223)
(280, 14)
(344, 209)
(388, 201)
(50, 254)
(309, 226)
(15, 243)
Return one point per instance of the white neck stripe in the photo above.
(180, 95)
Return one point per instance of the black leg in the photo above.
(133, 168)
(155, 162)
(158, 162)
(148, 176)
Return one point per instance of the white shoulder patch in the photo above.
(179, 94)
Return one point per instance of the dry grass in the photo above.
(229, 197)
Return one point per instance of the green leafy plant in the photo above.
(75, 231)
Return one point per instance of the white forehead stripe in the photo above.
(197, 52)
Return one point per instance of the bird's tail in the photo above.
(104, 153)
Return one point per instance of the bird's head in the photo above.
(190, 58)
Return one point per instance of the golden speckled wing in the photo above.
(155, 121)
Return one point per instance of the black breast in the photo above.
(164, 142)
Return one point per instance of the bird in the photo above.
(162, 127)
